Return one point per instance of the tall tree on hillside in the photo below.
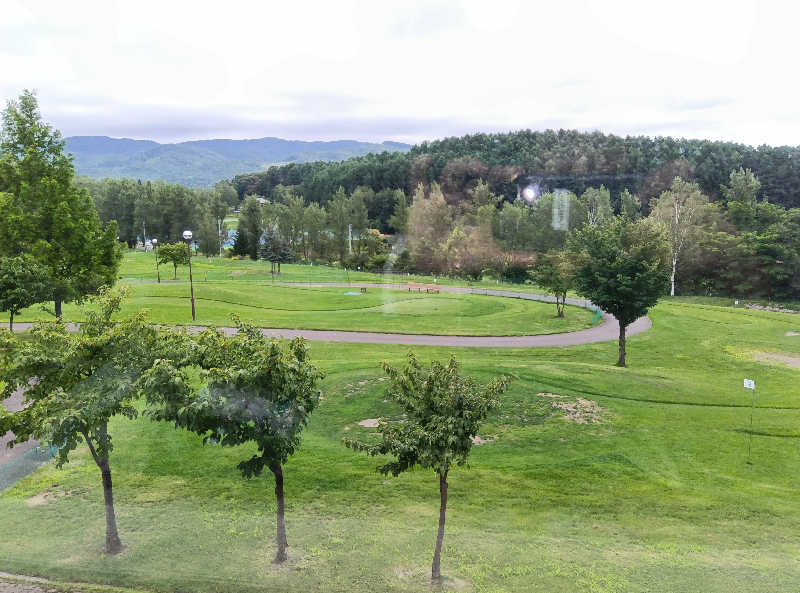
(622, 267)
(359, 216)
(314, 223)
(680, 209)
(339, 221)
(227, 194)
(45, 213)
(744, 187)
(630, 205)
(209, 214)
(741, 198)
(597, 202)
(443, 413)
(429, 225)
(399, 219)
(295, 213)
(251, 222)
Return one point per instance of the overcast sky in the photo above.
(406, 71)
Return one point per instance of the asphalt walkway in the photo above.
(604, 332)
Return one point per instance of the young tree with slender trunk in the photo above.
(443, 413)
(554, 273)
(75, 383)
(623, 268)
(175, 254)
(258, 390)
(679, 209)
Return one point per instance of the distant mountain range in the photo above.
(201, 163)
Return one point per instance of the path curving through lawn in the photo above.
(606, 331)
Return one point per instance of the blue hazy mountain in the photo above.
(199, 163)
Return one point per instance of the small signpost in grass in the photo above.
(750, 384)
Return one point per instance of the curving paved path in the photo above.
(606, 331)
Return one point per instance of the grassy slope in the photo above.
(239, 286)
(658, 497)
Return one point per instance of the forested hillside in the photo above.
(201, 163)
(561, 159)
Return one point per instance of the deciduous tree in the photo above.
(443, 413)
(175, 254)
(257, 390)
(554, 272)
(75, 383)
(623, 268)
(680, 209)
(23, 283)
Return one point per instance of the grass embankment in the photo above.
(239, 286)
(656, 496)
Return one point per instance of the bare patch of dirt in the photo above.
(792, 361)
(581, 411)
(456, 584)
(477, 440)
(369, 422)
(792, 333)
(772, 309)
(45, 498)
(420, 574)
(551, 395)
(403, 573)
(237, 272)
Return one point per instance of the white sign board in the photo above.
(749, 384)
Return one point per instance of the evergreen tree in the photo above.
(45, 214)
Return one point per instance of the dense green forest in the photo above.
(559, 159)
(454, 207)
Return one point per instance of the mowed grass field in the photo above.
(652, 492)
(240, 287)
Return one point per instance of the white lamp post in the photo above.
(187, 236)
(155, 250)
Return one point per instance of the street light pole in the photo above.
(155, 249)
(187, 236)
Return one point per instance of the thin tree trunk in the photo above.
(174, 271)
(11, 321)
(57, 304)
(113, 543)
(281, 522)
(672, 278)
(621, 360)
(437, 554)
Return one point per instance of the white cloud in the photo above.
(405, 70)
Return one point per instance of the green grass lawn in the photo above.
(303, 307)
(140, 266)
(656, 496)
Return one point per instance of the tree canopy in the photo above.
(444, 411)
(256, 390)
(44, 213)
(74, 383)
(623, 268)
(23, 283)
